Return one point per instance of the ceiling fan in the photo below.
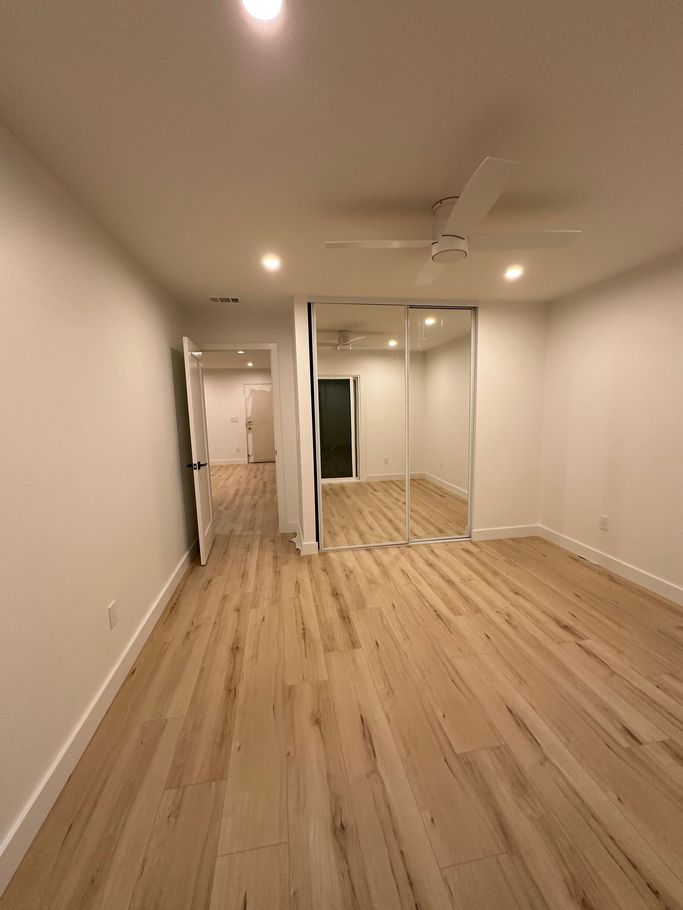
(455, 220)
(343, 341)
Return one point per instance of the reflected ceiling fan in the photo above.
(455, 221)
(343, 342)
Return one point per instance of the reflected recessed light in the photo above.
(513, 272)
(250, 364)
(430, 320)
(263, 9)
(392, 342)
(271, 262)
(240, 352)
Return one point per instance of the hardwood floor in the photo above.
(360, 512)
(483, 726)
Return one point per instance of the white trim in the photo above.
(445, 485)
(512, 531)
(632, 573)
(218, 461)
(305, 547)
(36, 808)
(371, 478)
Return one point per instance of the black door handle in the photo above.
(197, 465)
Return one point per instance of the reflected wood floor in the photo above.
(363, 512)
(484, 726)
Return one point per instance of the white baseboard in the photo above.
(501, 533)
(371, 478)
(25, 827)
(645, 579)
(218, 461)
(305, 547)
(445, 485)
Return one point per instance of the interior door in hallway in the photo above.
(200, 447)
(260, 432)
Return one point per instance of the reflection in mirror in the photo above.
(360, 360)
(440, 376)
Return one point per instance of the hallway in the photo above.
(471, 725)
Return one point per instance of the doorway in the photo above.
(235, 422)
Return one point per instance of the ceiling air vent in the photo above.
(224, 299)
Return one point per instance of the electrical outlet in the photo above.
(238, 449)
(113, 613)
(386, 461)
(604, 522)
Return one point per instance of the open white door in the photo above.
(200, 447)
(260, 431)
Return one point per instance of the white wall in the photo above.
(509, 415)
(446, 414)
(224, 398)
(213, 324)
(613, 420)
(93, 502)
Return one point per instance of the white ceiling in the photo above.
(202, 140)
(231, 360)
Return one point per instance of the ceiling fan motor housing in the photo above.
(446, 247)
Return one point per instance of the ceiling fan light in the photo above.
(430, 320)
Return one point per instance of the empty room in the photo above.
(341, 515)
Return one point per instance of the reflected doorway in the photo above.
(338, 397)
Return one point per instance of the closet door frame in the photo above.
(407, 305)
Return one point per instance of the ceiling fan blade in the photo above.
(377, 244)
(357, 338)
(523, 240)
(482, 191)
(429, 272)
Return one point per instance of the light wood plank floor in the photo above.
(483, 726)
(374, 512)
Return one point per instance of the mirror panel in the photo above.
(361, 386)
(440, 378)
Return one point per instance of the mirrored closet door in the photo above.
(440, 377)
(361, 426)
(392, 389)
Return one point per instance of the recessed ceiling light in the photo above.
(240, 352)
(265, 10)
(430, 320)
(513, 272)
(392, 342)
(271, 262)
(250, 364)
